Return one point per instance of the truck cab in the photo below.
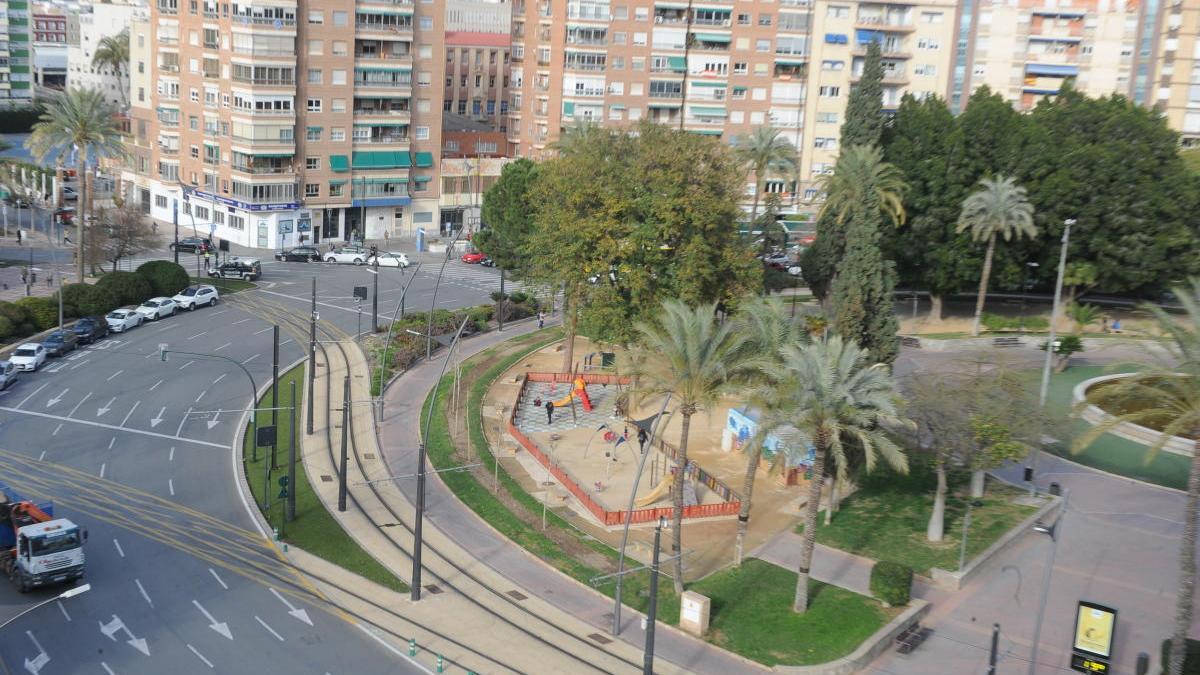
(49, 553)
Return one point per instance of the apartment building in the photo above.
(477, 61)
(280, 121)
(85, 29)
(1176, 77)
(49, 46)
(16, 57)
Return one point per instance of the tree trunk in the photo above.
(800, 602)
(937, 520)
(983, 284)
(1187, 566)
(754, 211)
(677, 499)
(978, 479)
(752, 461)
(81, 213)
(833, 498)
(935, 307)
(572, 321)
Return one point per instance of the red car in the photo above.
(473, 258)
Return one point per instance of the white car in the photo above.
(196, 296)
(28, 356)
(9, 374)
(348, 254)
(121, 320)
(389, 259)
(156, 308)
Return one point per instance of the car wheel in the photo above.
(358, 261)
(212, 302)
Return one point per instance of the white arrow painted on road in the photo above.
(219, 626)
(107, 406)
(58, 398)
(157, 419)
(213, 422)
(35, 665)
(115, 626)
(298, 613)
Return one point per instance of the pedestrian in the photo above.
(18, 236)
(642, 438)
(1116, 326)
(549, 411)
(66, 238)
(154, 226)
(353, 235)
(24, 275)
(1104, 324)
(386, 236)
(206, 260)
(541, 319)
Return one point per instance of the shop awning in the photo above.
(1051, 70)
(381, 160)
(337, 182)
(423, 179)
(339, 163)
(677, 63)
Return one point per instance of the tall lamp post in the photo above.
(163, 352)
(1062, 265)
(1053, 530)
(1025, 283)
(65, 595)
(652, 608)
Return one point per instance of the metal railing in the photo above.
(267, 21)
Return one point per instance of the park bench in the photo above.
(911, 638)
(910, 341)
(1006, 342)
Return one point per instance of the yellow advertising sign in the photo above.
(1094, 629)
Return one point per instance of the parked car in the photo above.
(69, 194)
(795, 270)
(90, 328)
(65, 215)
(299, 254)
(9, 374)
(121, 320)
(238, 267)
(156, 308)
(192, 245)
(28, 356)
(348, 254)
(473, 258)
(196, 296)
(487, 262)
(389, 259)
(60, 343)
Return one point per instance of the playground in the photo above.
(579, 456)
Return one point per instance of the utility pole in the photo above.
(1062, 265)
(312, 354)
(175, 221)
(652, 610)
(290, 507)
(375, 298)
(995, 647)
(345, 444)
(274, 392)
(500, 309)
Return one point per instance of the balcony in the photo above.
(884, 23)
(402, 25)
(381, 112)
(401, 3)
(381, 139)
(264, 113)
(379, 50)
(264, 169)
(168, 9)
(898, 77)
(670, 16)
(264, 22)
(267, 81)
(887, 51)
(261, 51)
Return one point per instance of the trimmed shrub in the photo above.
(15, 313)
(519, 297)
(127, 288)
(7, 329)
(1191, 659)
(43, 311)
(19, 120)
(87, 300)
(166, 278)
(996, 323)
(891, 582)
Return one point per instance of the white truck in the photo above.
(37, 549)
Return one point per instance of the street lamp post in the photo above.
(1029, 268)
(65, 595)
(652, 608)
(1062, 265)
(1054, 531)
(433, 301)
(387, 341)
(162, 353)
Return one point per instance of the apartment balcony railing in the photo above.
(383, 56)
(266, 81)
(676, 95)
(169, 68)
(711, 22)
(166, 9)
(591, 67)
(259, 51)
(382, 111)
(263, 21)
(211, 14)
(884, 23)
(383, 28)
(406, 3)
(168, 152)
(168, 39)
(365, 84)
(263, 170)
(264, 141)
(382, 140)
(267, 113)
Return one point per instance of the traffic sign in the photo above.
(266, 436)
(283, 481)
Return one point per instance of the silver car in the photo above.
(9, 374)
(121, 320)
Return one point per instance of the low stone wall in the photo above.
(869, 650)
(952, 581)
(1127, 430)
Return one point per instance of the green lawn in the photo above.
(1191, 158)
(887, 517)
(314, 529)
(224, 286)
(752, 615)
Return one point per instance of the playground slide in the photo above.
(579, 392)
(660, 491)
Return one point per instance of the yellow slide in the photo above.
(662, 490)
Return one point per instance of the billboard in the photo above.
(1095, 626)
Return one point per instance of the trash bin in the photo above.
(1056, 489)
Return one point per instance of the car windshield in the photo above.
(54, 337)
(83, 323)
(25, 351)
(116, 315)
(188, 292)
(55, 544)
(149, 303)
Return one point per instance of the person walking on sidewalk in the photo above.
(541, 319)
(549, 412)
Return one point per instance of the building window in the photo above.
(764, 19)
(312, 189)
(426, 23)
(313, 134)
(315, 47)
(339, 18)
(830, 92)
(160, 201)
(314, 105)
(314, 76)
(837, 12)
(338, 105)
(338, 48)
(833, 65)
(422, 133)
(931, 17)
(827, 118)
(312, 163)
(316, 16)
(337, 134)
(237, 222)
(762, 45)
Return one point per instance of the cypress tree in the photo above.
(864, 109)
(862, 290)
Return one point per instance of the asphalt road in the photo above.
(139, 452)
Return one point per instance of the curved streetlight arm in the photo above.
(163, 351)
(433, 302)
(387, 342)
(69, 593)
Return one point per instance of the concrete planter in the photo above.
(1127, 430)
(953, 581)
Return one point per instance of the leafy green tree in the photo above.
(765, 151)
(508, 214)
(864, 107)
(1168, 393)
(78, 118)
(1083, 315)
(1079, 277)
(695, 359)
(834, 396)
(112, 52)
(999, 208)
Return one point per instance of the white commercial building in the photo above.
(84, 33)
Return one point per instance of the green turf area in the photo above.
(1108, 453)
(314, 529)
(886, 519)
(752, 615)
(225, 286)
(1191, 158)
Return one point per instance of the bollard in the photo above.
(412, 647)
(440, 666)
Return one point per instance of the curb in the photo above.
(954, 581)
(869, 650)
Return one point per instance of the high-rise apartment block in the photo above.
(16, 59)
(281, 121)
(477, 44)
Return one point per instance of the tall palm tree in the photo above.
(861, 176)
(1000, 207)
(1168, 393)
(834, 396)
(696, 360)
(764, 151)
(112, 52)
(81, 120)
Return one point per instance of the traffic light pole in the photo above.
(312, 354)
(290, 508)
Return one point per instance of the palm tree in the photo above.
(112, 52)
(834, 396)
(695, 359)
(1168, 393)
(861, 176)
(763, 151)
(998, 208)
(77, 119)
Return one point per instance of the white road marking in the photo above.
(269, 629)
(224, 446)
(143, 592)
(102, 467)
(130, 413)
(58, 398)
(157, 419)
(81, 364)
(184, 366)
(200, 656)
(219, 311)
(81, 401)
(183, 421)
(111, 442)
(42, 456)
(35, 393)
(221, 377)
(156, 385)
(171, 486)
(214, 573)
(265, 330)
(219, 626)
(106, 668)
(57, 429)
(222, 346)
(103, 410)
(285, 342)
(241, 321)
(62, 608)
(118, 545)
(298, 613)
(390, 648)
(110, 377)
(197, 335)
(252, 357)
(171, 455)
(201, 395)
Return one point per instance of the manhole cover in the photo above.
(368, 456)
(433, 589)
(599, 638)
(326, 479)
(517, 595)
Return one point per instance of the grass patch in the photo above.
(225, 286)
(886, 519)
(1191, 158)
(314, 529)
(752, 616)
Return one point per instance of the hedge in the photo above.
(87, 300)
(128, 288)
(19, 120)
(166, 278)
(997, 323)
(891, 582)
(42, 310)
